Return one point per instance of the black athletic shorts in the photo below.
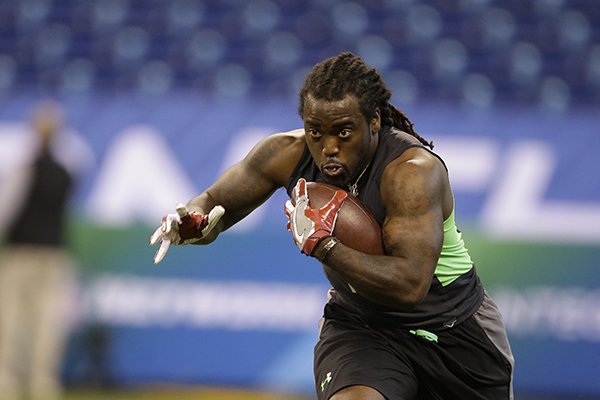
(470, 361)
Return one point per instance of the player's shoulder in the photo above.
(277, 154)
(416, 158)
(415, 170)
(281, 141)
(285, 145)
(289, 138)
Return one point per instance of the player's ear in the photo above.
(376, 122)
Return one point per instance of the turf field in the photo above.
(175, 394)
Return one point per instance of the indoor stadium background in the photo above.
(161, 96)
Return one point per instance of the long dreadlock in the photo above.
(335, 77)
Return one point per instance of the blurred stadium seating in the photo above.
(482, 52)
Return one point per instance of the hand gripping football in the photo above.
(355, 226)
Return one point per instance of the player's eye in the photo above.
(313, 132)
(345, 133)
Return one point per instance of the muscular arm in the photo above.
(416, 194)
(249, 183)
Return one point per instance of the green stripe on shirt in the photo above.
(454, 259)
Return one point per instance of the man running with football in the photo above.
(414, 323)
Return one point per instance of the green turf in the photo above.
(211, 394)
(176, 394)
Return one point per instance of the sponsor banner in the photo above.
(167, 303)
(555, 336)
(245, 310)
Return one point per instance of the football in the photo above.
(355, 227)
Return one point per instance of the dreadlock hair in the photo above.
(335, 77)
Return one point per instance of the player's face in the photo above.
(339, 137)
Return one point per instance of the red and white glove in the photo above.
(183, 228)
(309, 225)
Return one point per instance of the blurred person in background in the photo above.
(36, 270)
(415, 323)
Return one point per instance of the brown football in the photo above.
(355, 227)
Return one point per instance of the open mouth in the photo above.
(332, 169)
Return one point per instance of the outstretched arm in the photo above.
(238, 191)
(249, 183)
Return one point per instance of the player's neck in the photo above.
(353, 185)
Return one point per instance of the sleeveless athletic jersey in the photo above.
(455, 292)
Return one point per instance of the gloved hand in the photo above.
(309, 225)
(183, 228)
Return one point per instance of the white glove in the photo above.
(309, 225)
(194, 225)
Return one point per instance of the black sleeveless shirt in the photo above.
(444, 306)
(41, 220)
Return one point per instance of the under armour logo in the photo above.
(450, 324)
(326, 381)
